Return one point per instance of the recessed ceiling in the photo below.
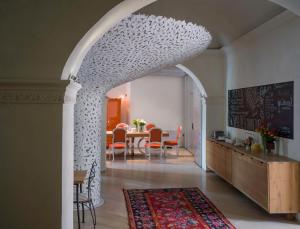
(226, 20)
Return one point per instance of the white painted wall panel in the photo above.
(158, 99)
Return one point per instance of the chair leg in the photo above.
(177, 151)
(165, 151)
(93, 213)
(113, 154)
(82, 212)
(125, 152)
(161, 152)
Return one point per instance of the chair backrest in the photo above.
(91, 178)
(155, 135)
(150, 126)
(119, 135)
(179, 129)
(122, 125)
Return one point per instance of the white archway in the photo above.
(111, 18)
(203, 111)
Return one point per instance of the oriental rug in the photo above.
(172, 208)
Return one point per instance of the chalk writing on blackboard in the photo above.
(271, 104)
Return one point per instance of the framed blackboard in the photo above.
(271, 104)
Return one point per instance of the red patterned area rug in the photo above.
(172, 208)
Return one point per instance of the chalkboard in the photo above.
(271, 104)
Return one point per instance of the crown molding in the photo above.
(35, 92)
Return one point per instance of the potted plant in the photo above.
(268, 137)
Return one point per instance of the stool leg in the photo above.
(82, 212)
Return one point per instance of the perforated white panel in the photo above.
(137, 46)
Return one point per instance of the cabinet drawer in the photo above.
(258, 182)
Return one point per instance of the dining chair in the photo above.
(149, 126)
(126, 127)
(173, 143)
(122, 125)
(155, 142)
(86, 200)
(119, 142)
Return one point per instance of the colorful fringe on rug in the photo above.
(175, 208)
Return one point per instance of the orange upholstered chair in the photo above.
(148, 127)
(155, 141)
(126, 127)
(119, 142)
(122, 125)
(173, 143)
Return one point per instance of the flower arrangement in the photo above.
(135, 122)
(142, 122)
(268, 137)
(139, 124)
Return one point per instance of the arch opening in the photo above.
(134, 87)
(144, 49)
(135, 47)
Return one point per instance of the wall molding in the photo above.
(71, 92)
(32, 92)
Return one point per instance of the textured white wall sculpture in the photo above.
(137, 46)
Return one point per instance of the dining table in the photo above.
(135, 134)
(79, 177)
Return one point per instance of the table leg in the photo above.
(139, 147)
(80, 188)
(77, 203)
(132, 146)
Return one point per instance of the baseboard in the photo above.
(298, 217)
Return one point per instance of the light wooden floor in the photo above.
(181, 172)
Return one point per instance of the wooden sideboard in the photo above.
(271, 181)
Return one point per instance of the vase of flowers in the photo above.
(139, 124)
(135, 122)
(142, 124)
(268, 138)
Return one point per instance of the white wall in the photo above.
(158, 99)
(119, 91)
(269, 54)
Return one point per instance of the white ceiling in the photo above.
(226, 20)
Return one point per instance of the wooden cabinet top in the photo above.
(263, 157)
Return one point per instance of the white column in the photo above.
(203, 132)
(103, 136)
(88, 134)
(68, 154)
